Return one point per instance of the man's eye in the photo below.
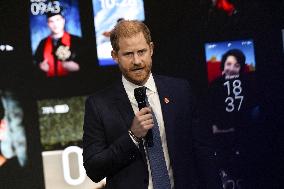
(128, 54)
(141, 52)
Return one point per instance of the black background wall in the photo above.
(179, 31)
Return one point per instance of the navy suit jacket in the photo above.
(108, 150)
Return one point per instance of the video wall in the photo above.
(64, 54)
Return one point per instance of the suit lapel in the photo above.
(123, 105)
(168, 111)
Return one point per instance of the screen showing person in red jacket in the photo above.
(58, 54)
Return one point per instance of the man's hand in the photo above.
(71, 66)
(142, 122)
(44, 65)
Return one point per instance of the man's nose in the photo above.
(136, 59)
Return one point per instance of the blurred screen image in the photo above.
(61, 122)
(55, 31)
(20, 160)
(215, 51)
(106, 14)
(61, 128)
(13, 141)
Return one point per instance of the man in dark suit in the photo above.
(115, 140)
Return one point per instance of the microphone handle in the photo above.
(149, 136)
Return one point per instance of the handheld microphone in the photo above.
(140, 96)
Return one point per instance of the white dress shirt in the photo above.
(154, 101)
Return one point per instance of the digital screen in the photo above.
(106, 14)
(19, 153)
(55, 32)
(214, 52)
(61, 129)
(233, 105)
(12, 131)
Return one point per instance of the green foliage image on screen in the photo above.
(61, 122)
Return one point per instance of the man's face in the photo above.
(231, 66)
(134, 58)
(56, 24)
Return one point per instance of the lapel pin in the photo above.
(166, 100)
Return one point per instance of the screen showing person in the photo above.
(61, 131)
(56, 37)
(19, 150)
(106, 14)
(14, 155)
(233, 106)
(214, 52)
(13, 142)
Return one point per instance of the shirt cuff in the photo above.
(135, 142)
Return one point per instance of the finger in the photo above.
(147, 122)
(149, 126)
(144, 111)
(145, 117)
(148, 109)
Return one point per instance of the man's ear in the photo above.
(114, 56)
(151, 48)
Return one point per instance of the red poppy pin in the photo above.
(166, 100)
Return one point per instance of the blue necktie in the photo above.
(160, 174)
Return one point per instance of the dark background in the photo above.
(179, 31)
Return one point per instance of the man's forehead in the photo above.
(133, 40)
(132, 36)
(55, 17)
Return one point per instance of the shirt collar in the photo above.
(129, 87)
